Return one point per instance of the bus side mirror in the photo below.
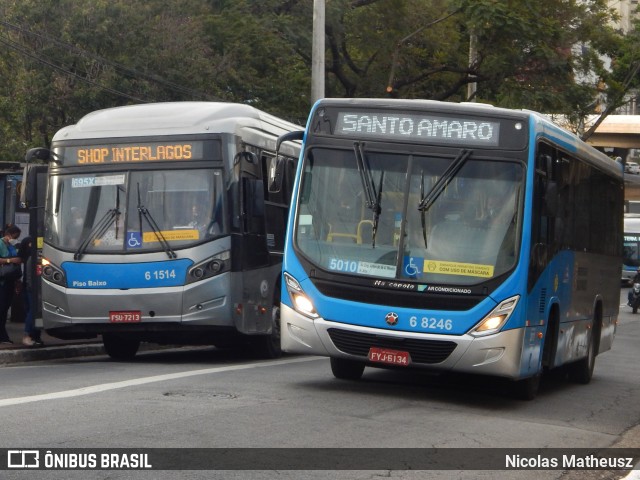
(276, 173)
(246, 157)
(289, 137)
(42, 154)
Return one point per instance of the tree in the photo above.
(60, 59)
(621, 79)
(67, 58)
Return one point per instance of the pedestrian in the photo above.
(636, 279)
(31, 336)
(9, 259)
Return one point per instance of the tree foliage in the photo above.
(60, 59)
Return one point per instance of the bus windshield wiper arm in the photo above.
(444, 180)
(365, 175)
(373, 198)
(144, 212)
(376, 212)
(97, 231)
(423, 219)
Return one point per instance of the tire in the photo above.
(527, 389)
(582, 370)
(346, 369)
(120, 347)
(268, 346)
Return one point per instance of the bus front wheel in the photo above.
(527, 389)
(346, 369)
(120, 347)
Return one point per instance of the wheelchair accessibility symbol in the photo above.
(412, 267)
(134, 240)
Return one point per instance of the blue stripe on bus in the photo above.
(170, 273)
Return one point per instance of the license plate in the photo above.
(388, 356)
(125, 317)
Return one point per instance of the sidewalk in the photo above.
(53, 348)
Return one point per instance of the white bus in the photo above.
(159, 227)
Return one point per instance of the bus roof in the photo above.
(544, 127)
(174, 118)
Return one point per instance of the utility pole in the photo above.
(317, 52)
(473, 60)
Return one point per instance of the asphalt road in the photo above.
(204, 398)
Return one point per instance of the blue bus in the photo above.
(159, 226)
(453, 237)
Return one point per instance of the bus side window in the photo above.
(253, 205)
(543, 221)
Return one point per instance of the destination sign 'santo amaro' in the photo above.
(412, 127)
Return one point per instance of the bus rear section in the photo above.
(446, 248)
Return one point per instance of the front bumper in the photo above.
(498, 354)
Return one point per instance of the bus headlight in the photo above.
(496, 319)
(53, 274)
(301, 303)
(210, 267)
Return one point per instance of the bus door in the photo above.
(32, 197)
(254, 262)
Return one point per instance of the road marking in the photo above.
(141, 381)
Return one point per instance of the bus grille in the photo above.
(395, 298)
(421, 351)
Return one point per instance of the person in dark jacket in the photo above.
(31, 336)
(636, 279)
(8, 256)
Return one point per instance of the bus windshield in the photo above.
(631, 250)
(91, 212)
(465, 234)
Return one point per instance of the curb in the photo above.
(49, 353)
(57, 352)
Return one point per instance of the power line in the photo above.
(135, 74)
(23, 51)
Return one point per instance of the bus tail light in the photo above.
(301, 303)
(496, 319)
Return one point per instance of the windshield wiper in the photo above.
(98, 230)
(376, 212)
(423, 213)
(449, 174)
(144, 212)
(373, 197)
